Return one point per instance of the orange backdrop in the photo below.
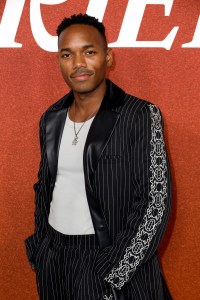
(30, 82)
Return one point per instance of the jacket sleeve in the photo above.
(41, 189)
(151, 183)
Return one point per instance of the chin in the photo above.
(82, 88)
(82, 91)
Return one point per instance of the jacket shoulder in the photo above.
(55, 106)
(58, 104)
(136, 104)
(136, 100)
(135, 108)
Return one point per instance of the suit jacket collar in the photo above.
(99, 134)
(114, 97)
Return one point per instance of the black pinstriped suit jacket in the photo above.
(126, 175)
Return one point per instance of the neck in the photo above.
(86, 104)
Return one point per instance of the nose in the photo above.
(79, 61)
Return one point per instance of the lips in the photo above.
(81, 77)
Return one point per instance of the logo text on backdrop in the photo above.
(128, 33)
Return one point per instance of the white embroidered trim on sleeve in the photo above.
(158, 192)
(108, 298)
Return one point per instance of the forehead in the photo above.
(78, 35)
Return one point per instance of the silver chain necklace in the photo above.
(75, 140)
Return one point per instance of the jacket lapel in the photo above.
(98, 136)
(55, 121)
(101, 130)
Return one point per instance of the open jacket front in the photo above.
(127, 182)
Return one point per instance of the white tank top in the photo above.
(69, 210)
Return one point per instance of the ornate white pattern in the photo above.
(158, 192)
(108, 298)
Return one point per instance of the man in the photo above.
(103, 194)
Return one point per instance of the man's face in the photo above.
(83, 58)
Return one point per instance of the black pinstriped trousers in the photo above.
(65, 268)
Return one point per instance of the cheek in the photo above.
(100, 67)
(64, 68)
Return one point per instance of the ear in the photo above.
(109, 57)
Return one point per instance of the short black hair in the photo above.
(82, 19)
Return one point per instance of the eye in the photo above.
(66, 55)
(90, 52)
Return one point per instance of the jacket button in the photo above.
(101, 227)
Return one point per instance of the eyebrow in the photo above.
(83, 47)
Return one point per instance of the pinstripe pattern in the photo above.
(43, 194)
(65, 268)
(133, 186)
